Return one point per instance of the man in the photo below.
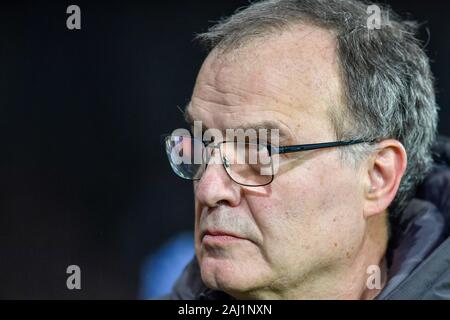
(361, 218)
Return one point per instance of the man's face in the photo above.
(309, 220)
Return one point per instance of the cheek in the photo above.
(311, 209)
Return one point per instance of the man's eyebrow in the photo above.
(268, 125)
(190, 119)
(260, 125)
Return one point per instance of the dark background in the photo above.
(83, 176)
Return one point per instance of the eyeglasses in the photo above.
(246, 163)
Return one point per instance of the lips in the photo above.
(221, 233)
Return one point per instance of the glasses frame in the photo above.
(272, 151)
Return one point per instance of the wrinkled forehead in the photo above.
(284, 77)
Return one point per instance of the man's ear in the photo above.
(384, 172)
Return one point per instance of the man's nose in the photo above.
(216, 187)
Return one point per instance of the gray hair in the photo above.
(389, 90)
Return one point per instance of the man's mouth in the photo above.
(220, 236)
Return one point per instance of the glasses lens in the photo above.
(185, 156)
(247, 163)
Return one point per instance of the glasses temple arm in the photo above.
(313, 146)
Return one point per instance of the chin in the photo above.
(234, 278)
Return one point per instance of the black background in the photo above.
(83, 176)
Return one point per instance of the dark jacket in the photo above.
(419, 250)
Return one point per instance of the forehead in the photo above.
(290, 77)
